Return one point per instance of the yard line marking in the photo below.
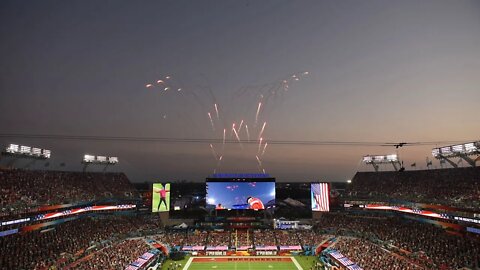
(296, 263)
(188, 263)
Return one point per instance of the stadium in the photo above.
(239, 135)
(421, 219)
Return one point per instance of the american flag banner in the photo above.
(416, 211)
(354, 267)
(320, 197)
(345, 261)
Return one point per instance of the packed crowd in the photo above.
(382, 239)
(239, 238)
(115, 257)
(287, 238)
(196, 238)
(264, 238)
(64, 243)
(452, 187)
(176, 239)
(311, 238)
(39, 249)
(426, 244)
(24, 190)
(370, 256)
(218, 239)
(377, 243)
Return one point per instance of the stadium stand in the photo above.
(456, 187)
(286, 238)
(371, 256)
(24, 191)
(218, 239)
(176, 239)
(196, 238)
(312, 238)
(114, 257)
(426, 244)
(264, 238)
(373, 241)
(66, 242)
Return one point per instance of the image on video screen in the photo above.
(320, 197)
(241, 195)
(161, 197)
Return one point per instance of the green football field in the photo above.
(242, 263)
(243, 266)
(305, 263)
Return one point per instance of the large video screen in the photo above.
(320, 195)
(161, 197)
(252, 194)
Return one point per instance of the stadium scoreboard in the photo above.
(237, 192)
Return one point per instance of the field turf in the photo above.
(305, 262)
(242, 263)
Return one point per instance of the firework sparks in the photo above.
(259, 161)
(259, 145)
(214, 152)
(264, 148)
(258, 111)
(231, 131)
(219, 162)
(263, 128)
(211, 121)
(236, 135)
(216, 110)
(240, 127)
(223, 144)
(263, 95)
(224, 131)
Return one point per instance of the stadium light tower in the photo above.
(98, 160)
(375, 160)
(26, 152)
(463, 151)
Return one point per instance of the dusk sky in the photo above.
(378, 71)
